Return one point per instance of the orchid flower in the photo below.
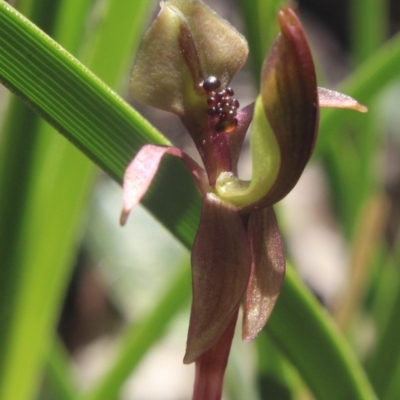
(184, 65)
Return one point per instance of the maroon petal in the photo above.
(290, 99)
(267, 271)
(141, 171)
(220, 272)
(211, 365)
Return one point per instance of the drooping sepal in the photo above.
(220, 272)
(267, 271)
(141, 171)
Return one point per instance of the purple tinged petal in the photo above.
(290, 99)
(220, 272)
(141, 171)
(211, 365)
(330, 98)
(267, 271)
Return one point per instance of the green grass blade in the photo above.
(120, 29)
(312, 342)
(261, 29)
(15, 176)
(387, 350)
(349, 161)
(364, 84)
(350, 158)
(69, 24)
(275, 368)
(58, 373)
(42, 281)
(49, 243)
(92, 116)
(393, 389)
(78, 106)
(369, 20)
(138, 339)
(19, 136)
(387, 354)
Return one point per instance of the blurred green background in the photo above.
(89, 310)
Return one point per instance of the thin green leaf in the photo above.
(313, 344)
(350, 161)
(34, 67)
(138, 339)
(364, 84)
(275, 367)
(261, 28)
(393, 388)
(41, 284)
(69, 24)
(93, 117)
(369, 26)
(46, 245)
(15, 174)
(387, 354)
(20, 136)
(120, 28)
(387, 350)
(59, 373)
(351, 174)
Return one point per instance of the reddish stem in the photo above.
(211, 365)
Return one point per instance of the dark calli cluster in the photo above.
(222, 104)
